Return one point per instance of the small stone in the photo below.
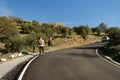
(3, 59)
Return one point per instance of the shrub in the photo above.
(14, 44)
(82, 30)
(31, 41)
(114, 33)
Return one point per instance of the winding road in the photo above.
(77, 63)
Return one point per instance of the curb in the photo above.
(108, 59)
(25, 68)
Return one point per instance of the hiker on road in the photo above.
(50, 43)
(41, 45)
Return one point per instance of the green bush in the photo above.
(114, 33)
(82, 30)
(65, 31)
(31, 41)
(117, 58)
(14, 44)
(112, 49)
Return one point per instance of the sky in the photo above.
(68, 12)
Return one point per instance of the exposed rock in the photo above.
(103, 26)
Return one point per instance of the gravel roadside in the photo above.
(9, 69)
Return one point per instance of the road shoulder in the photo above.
(107, 58)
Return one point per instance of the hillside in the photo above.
(75, 41)
(18, 35)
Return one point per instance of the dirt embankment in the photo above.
(76, 41)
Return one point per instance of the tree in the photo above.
(3, 21)
(93, 30)
(31, 41)
(98, 30)
(26, 28)
(48, 29)
(36, 27)
(64, 31)
(7, 28)
(8, 31)
(114, 33)
(71, 31)
(14, 44)
(82, 30)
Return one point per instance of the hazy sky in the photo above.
(69, 12)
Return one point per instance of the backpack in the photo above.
(50, 42)
(39, 42)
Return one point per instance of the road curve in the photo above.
(78, 63)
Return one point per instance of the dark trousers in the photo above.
(41, 49)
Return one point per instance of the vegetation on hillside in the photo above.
(20, 35)
(82, 30)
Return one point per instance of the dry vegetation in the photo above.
(74, 41)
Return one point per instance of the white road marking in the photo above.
(25, 68)
(111, 61)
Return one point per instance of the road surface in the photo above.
(78, 63)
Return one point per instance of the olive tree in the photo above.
(82, 30)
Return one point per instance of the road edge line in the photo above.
(111, 61)
(25, 68)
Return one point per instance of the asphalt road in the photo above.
(79, 63)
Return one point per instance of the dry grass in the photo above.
(61, 43)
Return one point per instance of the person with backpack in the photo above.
(41, 45)
(50, 43)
